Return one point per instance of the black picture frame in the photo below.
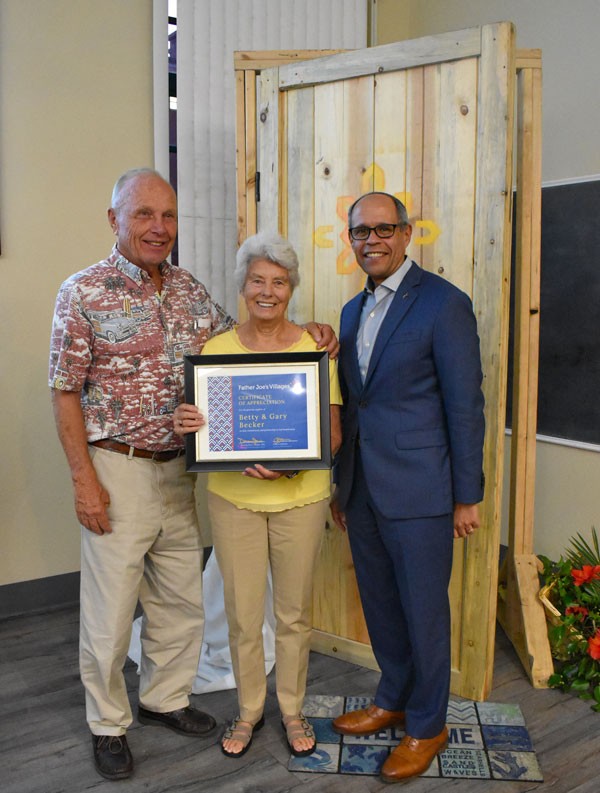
(251, 372)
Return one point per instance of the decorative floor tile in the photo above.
(324, 731)
(508, 738)
(363, 759)
(515, 765)
(496, 713)
(465, 764)
(325, 760)
(356, 703)
(487, 740)
(390, 737)
(465, 736)
(462, 712)
(323, 707)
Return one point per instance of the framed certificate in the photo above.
(267, 408)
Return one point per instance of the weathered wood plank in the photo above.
(390, 133)
(298, 187)
(455, 175)
(431, 141)
(343, 157)
(490, 297)
(385, 58)
(267, 126)
(240, 155)
(343, 170)
(251, 151)
(527, 312)
(256, 60)
(528, 59)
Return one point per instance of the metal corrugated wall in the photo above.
(208, 33)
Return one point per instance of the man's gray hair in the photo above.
(266, 245)
(125, 178)
(400, 208)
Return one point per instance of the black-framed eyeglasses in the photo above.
(382, 230)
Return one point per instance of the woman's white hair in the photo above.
(270, 246)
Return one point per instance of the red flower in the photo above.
(581, 610)
(594, 646)
(587, 573)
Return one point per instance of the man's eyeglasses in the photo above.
(382, 230)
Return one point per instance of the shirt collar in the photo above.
(131, 270)
(393, 281)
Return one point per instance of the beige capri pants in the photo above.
(245, 543)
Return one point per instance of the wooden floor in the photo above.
(45, 745)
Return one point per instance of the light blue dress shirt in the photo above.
(375, 307)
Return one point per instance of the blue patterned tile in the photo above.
(390, 737)
(323, 707)
(362, 759)
(462, 712)
(464, 764)
(465, 736)
(324, 760)
(515, 765)
(506, 737)
(324, 731)
(356, 703)
(500, 713)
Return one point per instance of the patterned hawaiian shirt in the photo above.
(121, 343)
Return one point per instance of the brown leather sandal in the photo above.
(243, 732)
(298, 727)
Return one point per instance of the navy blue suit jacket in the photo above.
(419, 414)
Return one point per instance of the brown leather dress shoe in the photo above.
(366, 721)
(412, 757)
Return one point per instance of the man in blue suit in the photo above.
(409, 473)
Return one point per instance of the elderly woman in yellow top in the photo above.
(263, 517)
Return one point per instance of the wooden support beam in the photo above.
(521, 615)
(520, 612)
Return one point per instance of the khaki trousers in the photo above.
(245, 542)
(154, 554)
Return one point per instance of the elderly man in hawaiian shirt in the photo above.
(120, 332)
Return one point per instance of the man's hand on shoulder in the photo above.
(324, 337)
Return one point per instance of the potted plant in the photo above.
(571, 597)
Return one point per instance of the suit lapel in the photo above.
(352, 314)
(405, 296)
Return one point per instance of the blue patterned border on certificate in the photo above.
(220, 406)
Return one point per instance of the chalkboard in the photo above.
(569, 365)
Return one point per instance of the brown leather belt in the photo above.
(125, 448)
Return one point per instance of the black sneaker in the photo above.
(112, 757)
